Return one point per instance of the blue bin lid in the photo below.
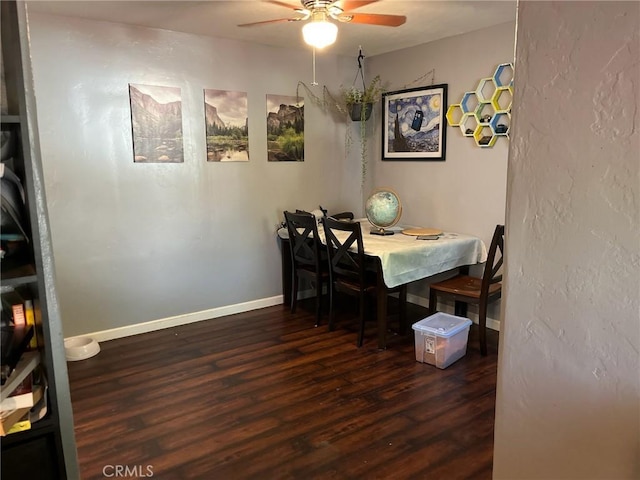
(442, 324)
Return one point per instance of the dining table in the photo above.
(400, 259)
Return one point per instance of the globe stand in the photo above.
(381, 231)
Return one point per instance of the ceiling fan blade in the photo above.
(284, 4)
(373, 19)
(264, 22)
(352, 5)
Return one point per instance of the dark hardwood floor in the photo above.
(265, 395)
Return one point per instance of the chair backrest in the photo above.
(339, 216)
(343, 262)
(494, 261)
(343, 216)
(304, 240)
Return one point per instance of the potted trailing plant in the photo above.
(350, 103)
(359, 105)
(360, 102)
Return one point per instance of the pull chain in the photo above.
(313, 55)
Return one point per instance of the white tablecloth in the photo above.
(405, 259)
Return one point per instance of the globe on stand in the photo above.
(383, 210)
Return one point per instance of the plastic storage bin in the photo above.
(441, 339)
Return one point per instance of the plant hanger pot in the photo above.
(360, 111)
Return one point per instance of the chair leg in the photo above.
(433, 301)
(482, 325)
(362, 317)
(402, 316)
(460, 308)
(294, 292)
(331, 325)
(318, 302)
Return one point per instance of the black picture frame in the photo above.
(413, 126)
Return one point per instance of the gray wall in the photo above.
(136, 243)
(568, 400)
(466, 192)
(141, 242)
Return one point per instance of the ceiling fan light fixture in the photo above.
(320, 33)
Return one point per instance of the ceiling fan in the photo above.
(321, 32)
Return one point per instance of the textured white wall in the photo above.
(568, 403)
(142, 242)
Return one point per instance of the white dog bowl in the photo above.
(80, 348)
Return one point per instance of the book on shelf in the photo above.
(15, 342)
(22, 397)
(27, 363)
(30, 320)
(18, 309)
(40, 407)
(21, 419)
(13, 302)
(20, 426)
(25, 386)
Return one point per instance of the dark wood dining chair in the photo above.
(307, 257)
(344, 216)
(348, 272)
(479, 291)
(338, 216)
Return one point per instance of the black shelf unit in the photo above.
(10, 120)
(47, 450)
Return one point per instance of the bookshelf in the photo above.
(47, 449)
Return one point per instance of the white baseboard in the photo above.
(153, 325)
(492, 323)
(184, 319)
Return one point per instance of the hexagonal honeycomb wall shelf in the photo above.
(484, 114)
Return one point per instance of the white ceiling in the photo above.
(427, 20)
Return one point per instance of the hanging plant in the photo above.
(360, 111)
(349, 105)
(359, 102)
(359, 105)
(335, 105)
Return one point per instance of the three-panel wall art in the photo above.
(156, 122)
